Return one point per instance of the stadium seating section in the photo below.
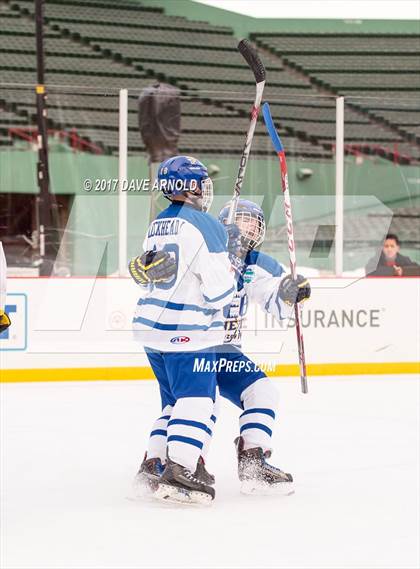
(92, 48)
(361, 231)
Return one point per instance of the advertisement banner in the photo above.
(369, 325)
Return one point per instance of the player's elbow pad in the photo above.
(277, 307)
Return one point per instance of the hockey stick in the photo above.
(278, 147)
(257, 67)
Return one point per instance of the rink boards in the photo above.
(80, 329)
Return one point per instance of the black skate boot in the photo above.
(151, 469)
(178, 484)
(202, 473)
(256, 474)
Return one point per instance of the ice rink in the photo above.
(70, 451)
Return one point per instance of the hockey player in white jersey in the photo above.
(260, 279)
(4, 317)
(181, 319)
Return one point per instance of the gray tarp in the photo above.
(160, 120)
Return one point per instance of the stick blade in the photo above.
(251, 56)
(271, 129)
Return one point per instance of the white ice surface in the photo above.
(70, 450)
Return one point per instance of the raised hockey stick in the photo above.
(257, 67)
(278, 147)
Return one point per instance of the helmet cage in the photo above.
(207, 193)
(252, 228)
(204, 190)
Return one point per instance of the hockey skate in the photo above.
(202, 473)
(178, 484)
(256, 475)
(147, 478)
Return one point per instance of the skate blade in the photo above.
(176, 495)
(256, 488)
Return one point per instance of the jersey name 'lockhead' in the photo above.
(187, 312)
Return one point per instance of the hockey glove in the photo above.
(294, 291)
(152, 267)
(4, 321)
(234, 238)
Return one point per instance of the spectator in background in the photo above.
(391, 263)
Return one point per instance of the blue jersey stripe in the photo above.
(216, 298)
(213, 232)
(170, 327)
(189, 423)
(158, 432)
(256, 426)
(187, 440)
(267, 304)
(260, 410)
(265, 262)
(177, 306)
(278, 305)
(164, 417)
(213, 418)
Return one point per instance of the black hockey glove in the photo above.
(294, 291)
(234, 238)
(4, 321)
(152, 267)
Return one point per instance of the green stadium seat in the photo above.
(94, 47)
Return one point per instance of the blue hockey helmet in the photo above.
(250, 219)
(181, 174)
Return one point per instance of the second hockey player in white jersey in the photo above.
(260, 279)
